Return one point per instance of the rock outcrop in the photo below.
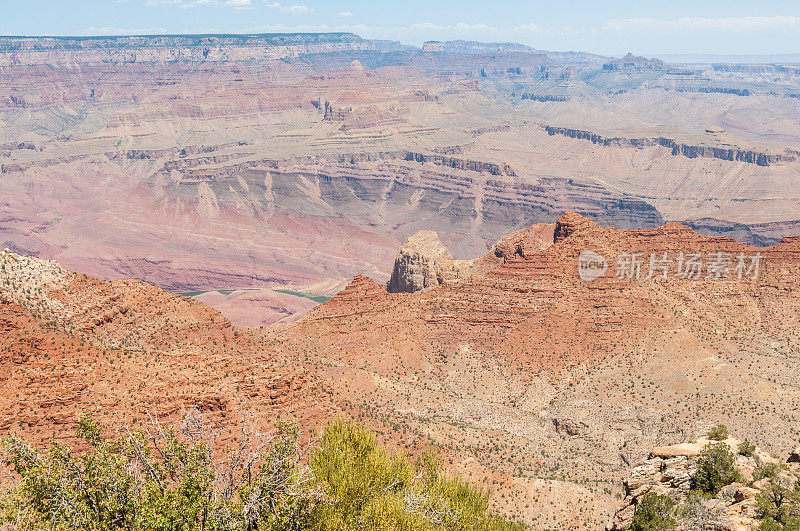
(525, 242)
(569, 223)
(668, 471)
(423, 262)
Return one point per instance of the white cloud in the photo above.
(735, 25)
(360, 29)
(188, 4)
(296, 9)
(530, 28)
(345, 14)
(460, 27)
(463, 26)
(426, 26)
(112, 30)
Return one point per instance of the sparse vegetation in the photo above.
(166, 478)
(779, 504)
(746, 448)
(718, 433)
(654, 512)
(714, 469)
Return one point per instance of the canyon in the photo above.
(528, 378)
(542, 265)
(293, 162)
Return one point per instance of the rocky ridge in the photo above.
(67, 52)
(124, 350)
(677, 148)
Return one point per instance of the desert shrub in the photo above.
(174, 479)
(746, 448)
(714, 469)
(718, 433)
(370, 488)
(161, 479)
(695, 513)
(778, 505)
(766, 470)
(654, 512)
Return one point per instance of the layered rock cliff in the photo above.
(677, 148)
(71, 51)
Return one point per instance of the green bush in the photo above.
(718, 433)
(374, 489)
(654, 512)
(166, 479)
(714, 469)
(162, 479)
(766, 470)
(746, 448)
(778, 505)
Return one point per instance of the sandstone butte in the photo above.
(539, 385)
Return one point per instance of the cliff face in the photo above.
(570, 223)
(543, 97)
(677, 148)
(24, 51)
(716, 90)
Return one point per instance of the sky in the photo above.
(644, 27)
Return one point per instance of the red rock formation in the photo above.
(523, 354)
(569, 223)
(525, 242)
(123, 350)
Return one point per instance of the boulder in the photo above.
(686, 449)
(794, 456)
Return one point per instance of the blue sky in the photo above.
(610, 27)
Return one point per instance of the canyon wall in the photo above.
(73, 51)
(691, 151)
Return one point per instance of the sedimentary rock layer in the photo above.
(66, 51)
(716, 152)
